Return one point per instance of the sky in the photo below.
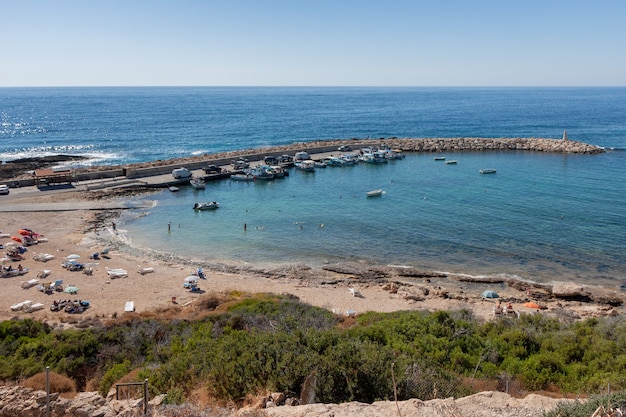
(312, 43)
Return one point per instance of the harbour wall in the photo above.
(433, 145)
(405, 145)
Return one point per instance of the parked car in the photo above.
(212, 169)
(270, 160)
(344, 148)
(302, 156)
(4, 189)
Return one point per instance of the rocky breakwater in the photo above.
(492, 144)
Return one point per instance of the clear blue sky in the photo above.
(313, 43)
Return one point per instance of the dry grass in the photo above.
(480, 385)
(58, 383)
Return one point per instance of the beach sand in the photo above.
(345, 289)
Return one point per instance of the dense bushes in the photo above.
(272, 343)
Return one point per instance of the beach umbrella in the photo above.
(191, 278)
(72, 256)
(532, 305)
(71, 289)
(24, 232)
(490, 294)
(17, 239)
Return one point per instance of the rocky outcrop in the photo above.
(26, 402)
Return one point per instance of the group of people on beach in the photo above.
(498, 309)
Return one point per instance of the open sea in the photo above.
(541, 217)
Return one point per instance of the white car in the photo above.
(4, 189)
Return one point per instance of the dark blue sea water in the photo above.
(541, 217)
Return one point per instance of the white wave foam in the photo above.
(94, 157)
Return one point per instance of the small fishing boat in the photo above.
(197, 183)
(440, 158)
(487, 171)
(173, 189)
(306, 165)
(206, 205)
(242, 177)
(452, 162)
(375, 193)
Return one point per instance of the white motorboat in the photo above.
(376, 157)
(206, 205)
(452, 162)
(487, 171)
(375, 193)
(306, 165)
(197, 183)
(242, 177)
(173, 189)
(333, 161)
(262, 172)
(349, 159)
(440, 158)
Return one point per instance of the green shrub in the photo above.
(112, 375)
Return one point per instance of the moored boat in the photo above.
(197, 183)
(262, 172)
(375, 193)
(440, 158)
(206, 205)
(452, 162)
(306, 165)
(487, 171)
(242, 177)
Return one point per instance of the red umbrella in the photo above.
(17, 239)
(532, 305)
(24, 232)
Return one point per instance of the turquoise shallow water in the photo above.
(540, 217)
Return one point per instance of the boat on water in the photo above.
(262, 172)
(242, 177)
(440, 158)
(197, 183)
(333, 161)
(487, 171)
(452, 162)
(279, 171)
(349, 159)
(173, 189)
(206, 205)
(376, 157)
(306, 165)
(375, 193)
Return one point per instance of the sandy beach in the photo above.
(345, 289)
